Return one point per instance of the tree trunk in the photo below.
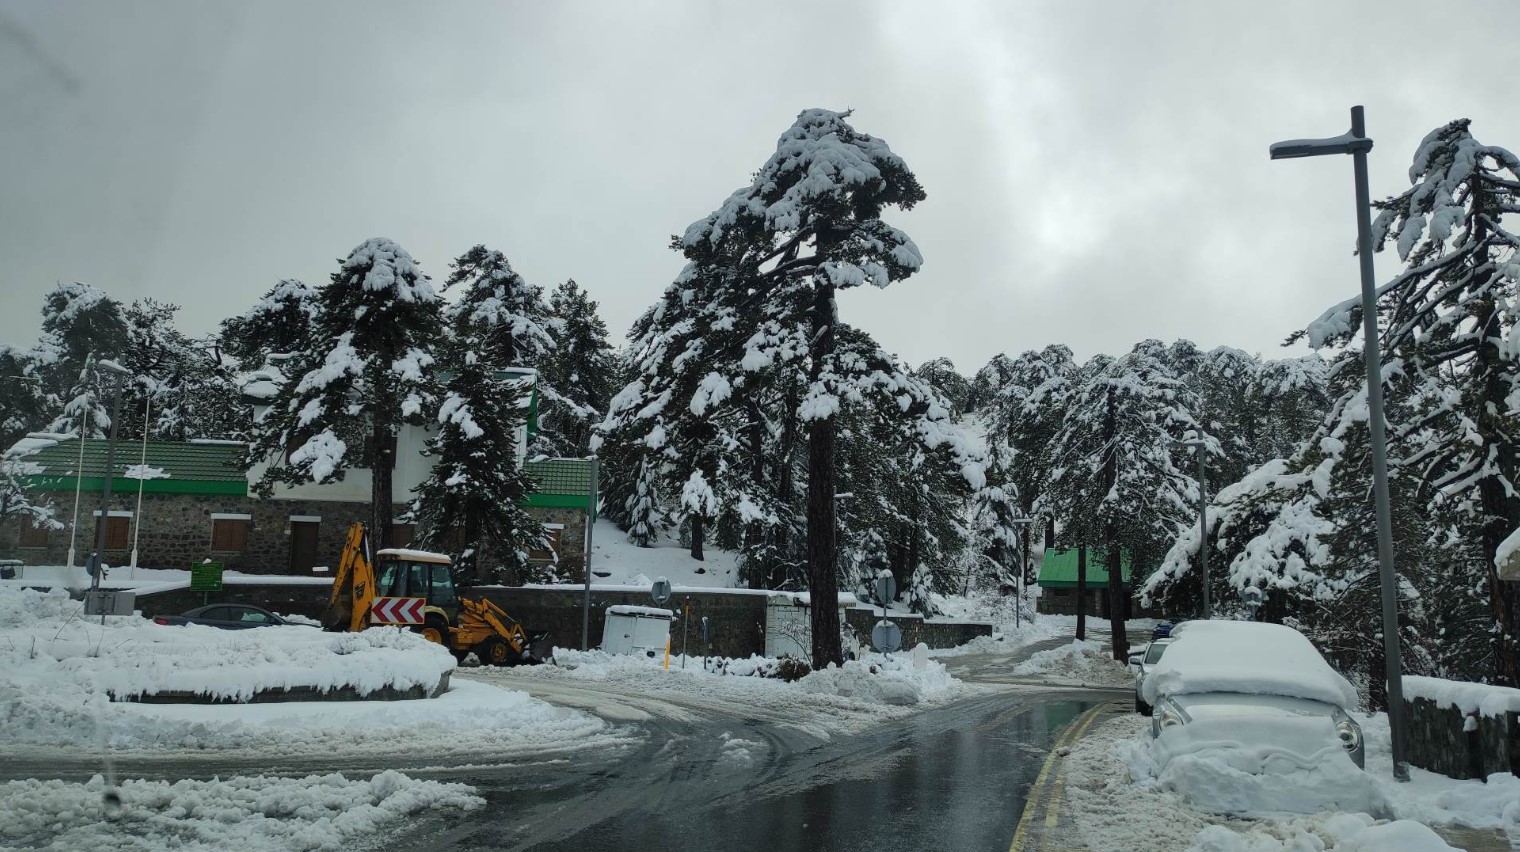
(1081, 593)
(823, 575)
(381, 510)
(1116, 600)
(754, 531)
(1115, 554)
(1501, 510)
(785, 482)
(698, 526)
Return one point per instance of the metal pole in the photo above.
(1396, 721)
(142, 467)
(1203, 532)
(1018, 581)
(78, 474)
(590, 523)
(105, 495)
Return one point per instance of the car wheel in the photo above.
(1141, 707)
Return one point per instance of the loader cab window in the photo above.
(390, 575)
(442, 591)
(416, 580)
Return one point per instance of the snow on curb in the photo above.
(1082, 662)
(253, 814)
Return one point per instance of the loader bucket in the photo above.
(538, 650)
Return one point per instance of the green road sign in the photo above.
(206, 577)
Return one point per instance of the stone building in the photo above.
(181, 503)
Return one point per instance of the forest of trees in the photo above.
(743, 412)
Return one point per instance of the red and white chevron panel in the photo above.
(396, 611)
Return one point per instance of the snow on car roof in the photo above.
(1248, 657)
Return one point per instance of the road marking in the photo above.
(1053, 802)
(1071, 734)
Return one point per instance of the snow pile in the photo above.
(44, 647)
(1473, 699)
(616, 561)
(254, 813)
(1434, 799)
(876, 679)
(1334, 832)
(1131, 810)
(1249, 657)
(1082, 662)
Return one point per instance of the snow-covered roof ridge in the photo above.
(1246, 657)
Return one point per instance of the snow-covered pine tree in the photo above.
(989, 383)
(369, 370)
(511, 322)
(1448, 323)
(580, 369)
(16, 501)
(808, 225)
(947, 381)
(1025, 418)
(22, 402)
(1293, 401)
(78, 321)
(282, 321)
(1117, 483)
(84, 410)
(471, 503)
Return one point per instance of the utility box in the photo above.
(636, 630)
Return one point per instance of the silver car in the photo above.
(1141, 662)
(1240, 712)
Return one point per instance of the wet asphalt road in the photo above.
(950, 778)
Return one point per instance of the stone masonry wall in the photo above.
(176, 532)
(935, 634)
(1442, 740)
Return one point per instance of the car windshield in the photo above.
(1155, 651)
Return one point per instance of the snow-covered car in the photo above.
(1249, 716)
(227, 617)
(1141, 664)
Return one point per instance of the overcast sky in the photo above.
(1097, 173)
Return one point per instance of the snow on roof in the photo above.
(414, 555)
(1471, 698)
(640, 611)
(222, 442)
(1247, 657)
(35, 441)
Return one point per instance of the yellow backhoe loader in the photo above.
(415, 588)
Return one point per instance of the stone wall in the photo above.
(572, 540)
(1064, 602)
(736, 621)
(1461, 745)
(176, 532)
(934, 633)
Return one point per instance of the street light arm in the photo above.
(1346, 143)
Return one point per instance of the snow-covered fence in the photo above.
(1462, 730)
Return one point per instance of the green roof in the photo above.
(186, 468)
(1059, 570)
(559, 482)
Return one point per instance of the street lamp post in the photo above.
(105, 494)
(1357, 145)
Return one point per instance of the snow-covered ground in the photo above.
(1081, 663)
(841, 700)
(58, 673)
(1118, 802)
(617, 562)
(247, 813)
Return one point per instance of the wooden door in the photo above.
(303, 545)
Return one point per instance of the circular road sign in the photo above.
(660, 591)
(886, 637)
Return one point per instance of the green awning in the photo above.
(52, 464)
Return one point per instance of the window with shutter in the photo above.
(33, 534)
(118, 530)
(229, 534)
(552, 533)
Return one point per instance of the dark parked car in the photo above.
(226, 616)
(1163, 629)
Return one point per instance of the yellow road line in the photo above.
(1053, 802)
(1072, 732)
